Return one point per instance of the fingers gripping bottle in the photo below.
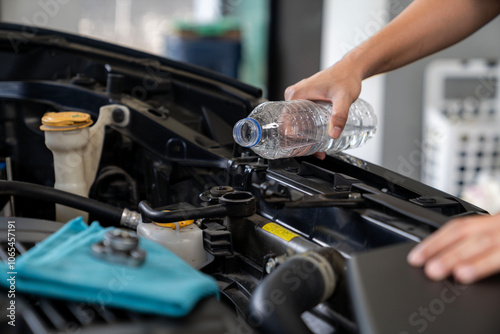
(284, 129)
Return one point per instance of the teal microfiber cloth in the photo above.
(62, 266)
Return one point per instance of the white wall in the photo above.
(345, 25)
(138, 24)
(51, 14)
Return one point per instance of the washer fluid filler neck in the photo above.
(77, 146)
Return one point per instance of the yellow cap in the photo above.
(65, 121)
(172, 225)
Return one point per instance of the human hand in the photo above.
(340, 85)
(467, 248)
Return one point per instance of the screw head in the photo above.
(118, 115)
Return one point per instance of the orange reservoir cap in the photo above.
(65, 121)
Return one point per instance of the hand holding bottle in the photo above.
(340, 85)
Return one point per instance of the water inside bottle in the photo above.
(297, 128)
(295, 133)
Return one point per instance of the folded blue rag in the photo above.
(62, 266)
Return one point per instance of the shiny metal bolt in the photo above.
(121, 240)
(271, 265)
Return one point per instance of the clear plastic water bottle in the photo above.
(284, 129)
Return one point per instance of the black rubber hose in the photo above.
(297, 285)
(149, 214)
(107, 214)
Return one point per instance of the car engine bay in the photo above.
(168, 157)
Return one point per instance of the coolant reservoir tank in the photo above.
(182, 238)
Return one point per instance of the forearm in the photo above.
(425, 27)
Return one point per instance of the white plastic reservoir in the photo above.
(185, 241)
(77, 147)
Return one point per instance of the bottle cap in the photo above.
(65, 121)
(247, 132)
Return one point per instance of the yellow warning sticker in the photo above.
(279, 231)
